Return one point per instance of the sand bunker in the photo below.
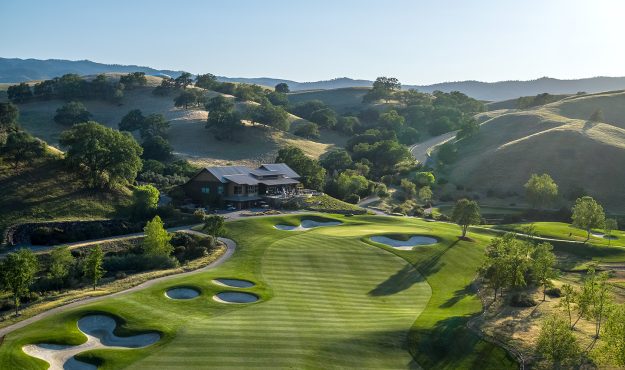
(182, 293)
(235, 297)
(234, 283)
(603, 236)
(99, 332)
(405, 244)
(306, 225)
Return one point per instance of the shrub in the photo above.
(308, 130)
(189, 247)
(418, 211)
(381, 191)
(352, 198)
(554, 292)
(46, 235)
(181, 239)
(138, 262)
(199, 215)
(522, 300)
(443, 217)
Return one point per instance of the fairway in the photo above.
(328, 299)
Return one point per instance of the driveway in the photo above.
(421, 151)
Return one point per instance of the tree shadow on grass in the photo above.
(450, 344)
(458, 296)
(401, 280)
(432, 264)
(407, 276)
(365, 346)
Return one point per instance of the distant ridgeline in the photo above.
(73, 86)
(15, 70)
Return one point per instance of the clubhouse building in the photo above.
(242, 187)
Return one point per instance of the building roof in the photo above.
(279, 173)
(261, 172)
(221, 172)
(245, 179)
(280, 167)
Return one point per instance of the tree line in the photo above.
(73, 87)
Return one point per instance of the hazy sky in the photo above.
(415, 41)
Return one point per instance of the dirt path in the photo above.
(230, 245)
(421, 151)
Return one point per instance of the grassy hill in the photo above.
(556, 139)
(44, 191)
(188, 135)
(342, 100)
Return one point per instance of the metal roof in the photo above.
(264, 172)
(243, 175)
(242, 179)
(281, 167)
(220, 172)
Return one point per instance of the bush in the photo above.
(308, 130)
(381, 191)
(189, 247)
(199, 215)
(443, 217)
(177, 193)
(46, 235)
(417, 211)
(167, 211)
(352, 198)
(138, 262)
(554, 292)
(522, 300)
(181, 239)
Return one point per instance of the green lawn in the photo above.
(596, 249)
(561, 230)
(330, 299)
(327, 203)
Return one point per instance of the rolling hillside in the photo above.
(556, 139)
(187, 134)
(342, 100)
(19, 70)
(44, 190)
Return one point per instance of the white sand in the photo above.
(234, 283)
(603, 236)
(99, 332)
(235, 297)
(405, 245)
(181, 293)
(306, 225)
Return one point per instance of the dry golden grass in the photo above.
(581, 107)
(520, 326)
(188, 135)
(575, 152)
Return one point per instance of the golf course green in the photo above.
(329, 297)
